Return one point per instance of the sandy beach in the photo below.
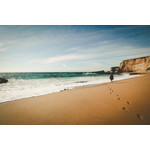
(124, 102)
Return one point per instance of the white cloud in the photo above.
(99, 53)
(2, 49)
(62, 58)
(1, 44)
(64, 65)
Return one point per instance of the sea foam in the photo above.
(24, 88)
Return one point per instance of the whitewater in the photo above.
(24, 85)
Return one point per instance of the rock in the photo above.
(3, 80)
(136, 65)
(101, 72)
(148, 69)
(115, 69)
(107, 72)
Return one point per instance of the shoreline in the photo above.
(123, 102)
(77, 87)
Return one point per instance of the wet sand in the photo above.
(125, 102)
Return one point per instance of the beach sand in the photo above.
(125, 102)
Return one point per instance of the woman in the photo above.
(111, 77)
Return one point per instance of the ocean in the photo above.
(23, 85)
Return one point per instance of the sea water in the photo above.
(23, 85)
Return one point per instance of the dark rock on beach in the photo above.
(3, 80)
(101, 72)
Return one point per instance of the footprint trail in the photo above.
(140, 117)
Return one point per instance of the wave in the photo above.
(22, 88)
(81, 82)
(45, 75)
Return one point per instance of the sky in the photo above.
(70, 48)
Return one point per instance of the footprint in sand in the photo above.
(118, 97)
(140, 116)
(111, 90)
(128, 102)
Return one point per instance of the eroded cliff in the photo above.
(139, 65)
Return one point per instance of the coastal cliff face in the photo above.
(115, 69)
(139, 65)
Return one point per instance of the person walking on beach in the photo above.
(111, 77)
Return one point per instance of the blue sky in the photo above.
(70, 48)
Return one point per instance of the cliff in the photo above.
(115, 69)
(139, 65)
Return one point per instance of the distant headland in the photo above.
(136, 65)
(132, 66)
